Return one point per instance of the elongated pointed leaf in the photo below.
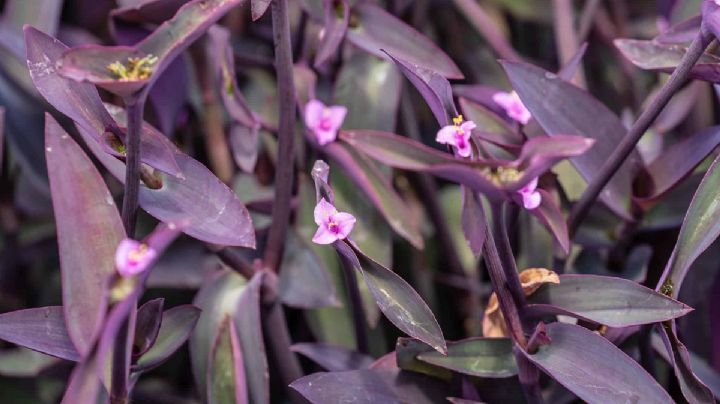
(217, 299)
(41, 329)
(370, 386)
(398, 301)
(90, 63)
(337, 15)
(682, 32)
(678, 161)
(473, 221)
(612, 301)
(694, 390)
(545, 94)
(258, 8)
(595, 369)
(333, 358)
(654, 56)
(481, 357)
(433, 87)
(249, 330)
(176, 327)
(89, 231)
(149, 317)
(375, 30)
(551, 217)
(699, 230)
(226, 375)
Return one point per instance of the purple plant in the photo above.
(307, 170)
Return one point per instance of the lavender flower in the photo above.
(332, 225)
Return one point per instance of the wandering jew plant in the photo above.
(494, 202)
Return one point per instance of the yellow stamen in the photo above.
(458, 120)
(136, 68)
(136, 256)
(502, 175)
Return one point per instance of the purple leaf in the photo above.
(699, 230)
(89, 230)
(490, 126)
(334, 30)
(249, 328)
(226, 374)
(233, 99)
(568, 71)
(304, 282)
(176, 327)
(694, 390)
(612, 301)
(473, 221)
(375, 30)
(480, 357)
(682, 32)
(653, 56)
(433, 87)
(333, 358)
(41, 329)
(81, 103)
(561, 108)
(258, 8)
(147, 325)
(677, 162)
(142, 11)
(90, 63)
(593, 368)
(368, 177)
(370, 386)
(400, 303)
(551, 217)
(244, 146)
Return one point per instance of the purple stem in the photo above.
(236, 262)
(279, 341)
(135, 107)
(529, 376)
(586, 20)
(626, 146)
(286, 135)
(506, 255)
(356, 305)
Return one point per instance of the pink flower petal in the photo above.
(324, 236)
(446, 135)
(132, 257)
(323, 211)
(464, 149)
(513, 106)
(468, 126)
(123, 252)
(337, 116)
(313, 113)
(345, 222)
(531, 200)
(325, 136)
(529, 187)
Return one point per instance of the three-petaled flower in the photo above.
(513, 106)
(530, 196)
(332, 225)
(458, 135)
(324, 121)
(133, 257)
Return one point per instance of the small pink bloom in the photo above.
(332, 225)
(513, 106)
(133, 257)
(458, 135)
(530, 196)
(324, 121)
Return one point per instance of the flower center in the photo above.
(135, 69)
(136, 256)
(502, 175)
(333, 226)
(325, 121)
(460, 139)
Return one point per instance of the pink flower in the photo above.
(513, 106)
(458, 135)
(332, 225)
(133, 257)
(530, 196)
(324, 121)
